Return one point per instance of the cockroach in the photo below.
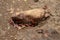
(28, 18)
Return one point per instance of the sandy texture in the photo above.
(51, 27)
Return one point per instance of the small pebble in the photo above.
(0, 14)
(25, 0)
(40, 30)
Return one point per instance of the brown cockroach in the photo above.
(29, 18)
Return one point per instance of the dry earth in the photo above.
(47, 30)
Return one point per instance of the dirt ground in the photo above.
(51, 27)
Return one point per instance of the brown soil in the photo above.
(46, 30)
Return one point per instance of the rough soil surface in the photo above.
(46, 30)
